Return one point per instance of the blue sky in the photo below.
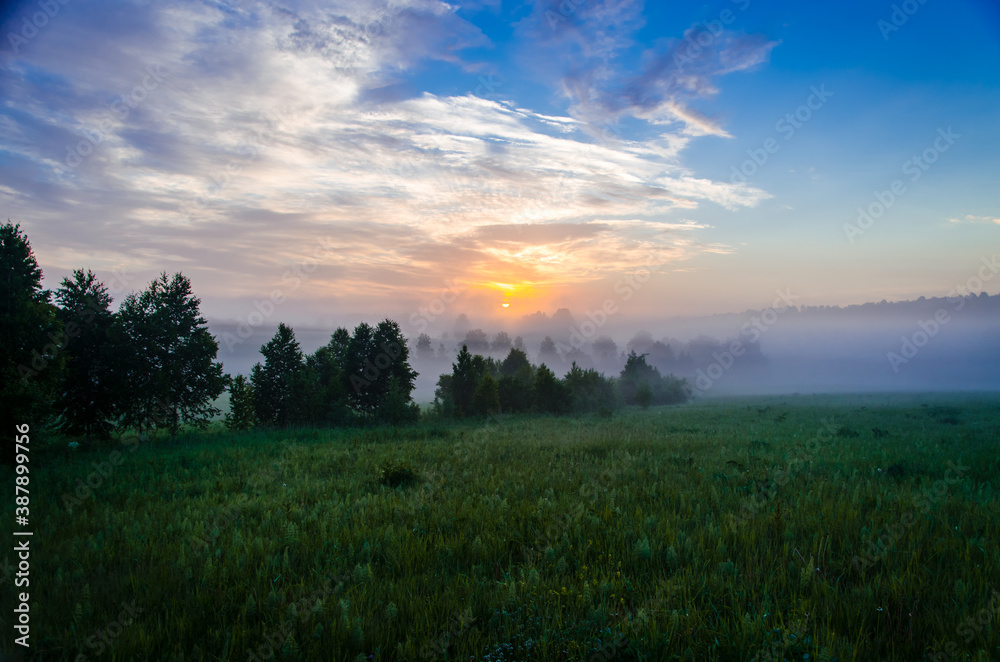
(525, 154)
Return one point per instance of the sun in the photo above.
(512, 295)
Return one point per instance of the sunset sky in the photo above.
(361, 157)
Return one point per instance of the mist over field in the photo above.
(931, 344)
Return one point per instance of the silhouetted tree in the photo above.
(168, 340)
(326, 370)
(444, 397)
(589, 390)
(32, 339)
(551, 395)
(277, 381)
(241, 405)
(516, 384)
(397, 407)
(487, 397)
(86, 402)
(516, 361)
(636, 373)
(375, 357)
(464, 380)
(637, 376)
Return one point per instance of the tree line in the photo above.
(354, 378)
(74, 365)
(481, 385)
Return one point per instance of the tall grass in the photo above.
(718, 530)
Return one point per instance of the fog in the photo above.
(938, 344)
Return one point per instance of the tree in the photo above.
(486, 399)
(361, 369)
(515, 362)
(31, 336)
(551, 395)
(444, 397)
(425, 351)
(636, 373)
(276, 383)
(327, 374)
(589, 390)
(516, 392)
(547, 351)
(241, 405)
(501, 343)
(397, 407)
(477, 341)
(644, 395)
(174, 356)
(642, 384)
(87, 395)
(376, 357)
(516, 382)
(463, 382)
(392, 347)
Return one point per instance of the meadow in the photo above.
(769, 528)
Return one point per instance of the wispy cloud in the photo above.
(269, 131)
(589, 48)
(969, 218)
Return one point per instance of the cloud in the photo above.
(969, 218)
(276, 130)
(590, 45)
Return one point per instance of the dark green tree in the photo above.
(636, 373)
(515, 362)
(138, 388)
(174, 356)
(397, 407)
(376, 358)
(392, 347)
(589, 390)
(644, 395)
(278, 381)
(464, 379)
(362, 371)
(86, 402)
(241, 405)
(516, 384)
(486, 399)
(551, 395)
(32, 339)
(444, 397)
(326, 368)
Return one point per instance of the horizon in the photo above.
(533, 160)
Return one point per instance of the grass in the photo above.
(779, 528)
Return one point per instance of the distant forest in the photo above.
(73, 365)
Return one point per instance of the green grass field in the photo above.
(780, 528)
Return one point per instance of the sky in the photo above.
(320, 163)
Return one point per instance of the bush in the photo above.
(396, 474)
